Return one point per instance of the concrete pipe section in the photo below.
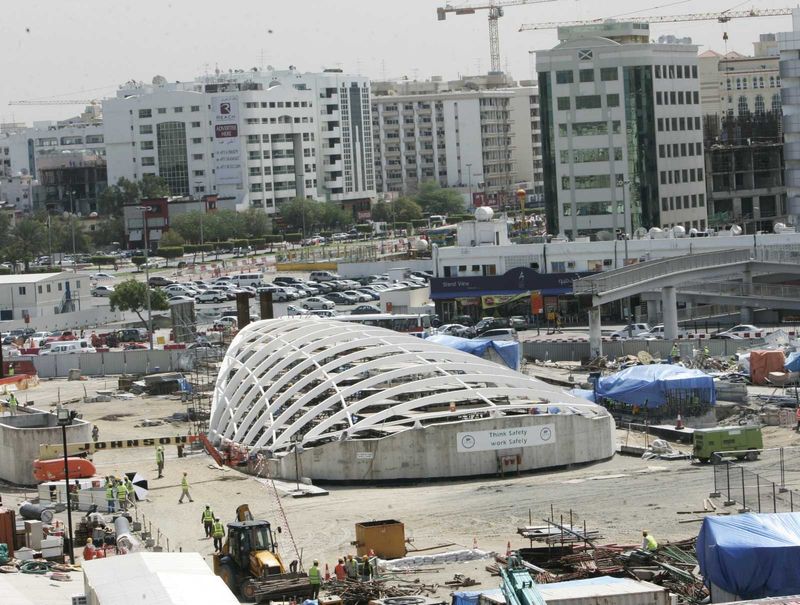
(342, 401)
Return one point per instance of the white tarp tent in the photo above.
(155, 579)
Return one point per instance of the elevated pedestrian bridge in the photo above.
(706, 268)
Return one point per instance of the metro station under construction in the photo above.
(348, 402)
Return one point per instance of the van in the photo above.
(254, 280)
(66, 347)
(324, 276)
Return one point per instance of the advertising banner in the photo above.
(227, 144)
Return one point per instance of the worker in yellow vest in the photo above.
(12, 404)
(185, 489)
(110, 501)
(122, 495)
(160, 460)
(208, 520)
(218, 532)
(315, 579)
(649, 543)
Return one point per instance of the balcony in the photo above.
(332, 166)
(333, 133)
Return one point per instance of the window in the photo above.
(173, 163)
(590, 155)
(195, 124)
(742, 106)
(178, 109)
(197, 156)
(195, 108)
(563, 103)
(776, 103)
(727, 84)
(197, 141)
(146, 144)
(591, 181)
(146, 129)
(607, 74)
(588, 102)
(198, 173)
(148, 161)
(40, 289)
(162, 110)
(696, 97)
(658, 98)
(760, 108)
(580, 129)
(145, 113)
(694, 71)
(22, 290)
(679, 71)
(94, 138)
(612, 100)
(586, 75)
(564, 77)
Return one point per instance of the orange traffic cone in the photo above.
(679, 423)
(327, 573)
(508, 549)
(474, 543)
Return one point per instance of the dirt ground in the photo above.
(619, 497)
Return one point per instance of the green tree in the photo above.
(107, 232)
(138, 260)
(61, 234)
(331, 216)
(115, 197)
(131, 295)
(171, 238)
(435, 200)
(257, 223)
(299, 213)
(152, 186)
(169, 252)
(25, 242)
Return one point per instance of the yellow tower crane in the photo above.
(722, 17)
(495, 8)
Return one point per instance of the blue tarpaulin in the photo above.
(472, 597)
(792, 363)
(508, 350)
(751, 556)
(652, 383)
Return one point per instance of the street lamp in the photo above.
(297, 441)
(145, 210)
(64, 418)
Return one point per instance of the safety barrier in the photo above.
(750, 488)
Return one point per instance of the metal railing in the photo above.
(750, 488)
(745, 290)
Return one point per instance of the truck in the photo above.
(741, 442)
(251, 567)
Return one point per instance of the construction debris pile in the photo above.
(354, 591)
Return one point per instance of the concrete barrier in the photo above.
(112, 362)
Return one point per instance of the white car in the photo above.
(360, 296)
(212, 296)
(226, 321)
(179, 298)
(102, 290)
(736, 331)
(291, 310)
(101, 277)
(323, 313)
(658, 332)
(318, 302)
(631, 331)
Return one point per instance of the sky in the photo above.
(82, 49)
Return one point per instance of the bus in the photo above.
(417, 325)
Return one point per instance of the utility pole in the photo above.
(144, 210)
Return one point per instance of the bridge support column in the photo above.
(746, 313)
(595, 335)
(669, 306)
(652, 312)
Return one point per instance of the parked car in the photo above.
(291, 310)
(212, 295)
(499, 334)
(327, 313)
(491, 323)
(101, 277)
(658, 332)
(318, 302)
(632, 331)
(323, 287)
(160, 281)
(369, 292)
(102, 290)
(459, 330)
(323, 276)
(359, 296)
(736, 331)
(66, 347)
(179, 298)
(227, 321)
(365, 310)
(518, 322)
(340, 298)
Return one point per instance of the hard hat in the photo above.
(316, 562)
(89, 540)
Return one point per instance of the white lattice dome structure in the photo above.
(345, 386)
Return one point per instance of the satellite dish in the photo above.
(678, 231)
(779, 227)
(640, 233)
(159, 80)
(484, 214)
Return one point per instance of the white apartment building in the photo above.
(789, 69)
(257, 137)
(486, 142)
(621, 131)
(733, 84)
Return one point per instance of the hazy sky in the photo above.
(75, 49)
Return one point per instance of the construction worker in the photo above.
(185, 489)
(351, 567)
(160, 460)
(10, 370)
(122, 495)
(208, 520)
(366, 569)
(797, 417)
(315, 579)
(649, 543)
(95, 433)
(675, 354)
(339, 571)
(129, 486)
(218, 532)
(110, 500)
(12, 404)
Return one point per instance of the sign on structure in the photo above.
(508, 438)
(227, 144)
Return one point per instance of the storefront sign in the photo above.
(490, 302)
(515, 281)
(537, 303)
(508, 438)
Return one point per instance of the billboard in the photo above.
(227, 144)
(506, 438)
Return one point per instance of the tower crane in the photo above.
(722, 17)
(495, 8)
(57, 102)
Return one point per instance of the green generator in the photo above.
(742, 441)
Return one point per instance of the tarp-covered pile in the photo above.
(654, 385)
(751, 556)
(764, 362)
(500, 351)
(792, 362)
